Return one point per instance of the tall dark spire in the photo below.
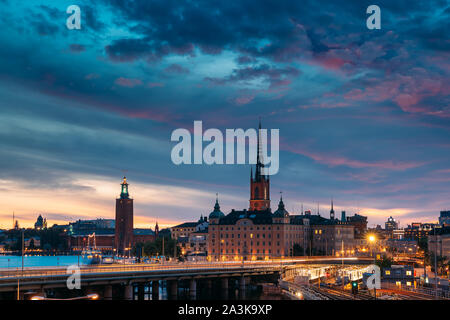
(258, 154)
(259, 184)
(332, 216)
(216, 206)
(259, 157)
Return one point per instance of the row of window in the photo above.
(238, 251)
(295, 227)
(269, 243)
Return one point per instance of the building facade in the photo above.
(439, 241)
(444, 218)
(259, 234)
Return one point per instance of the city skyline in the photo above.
(363, 115)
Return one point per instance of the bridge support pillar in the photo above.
(242, 287)
(224, 286)
(155, 290)
(193, 289)
(107, 294)
(174, 289)
(242, 283)
(129, 292)
(141, 291)
(209, 286)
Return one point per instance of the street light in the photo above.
(92, 296)
(372, 239)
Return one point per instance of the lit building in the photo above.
(40, 223)
(398, 234)
(390, 224)
(444, 218)
(417, 230)
(360, 224)
(257, 233)
(191, 236)
(109, 234)
(439, 241)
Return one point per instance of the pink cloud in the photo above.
(244, 99)
(128, 82)
(155, 84)
(92, 76)
(335, 160)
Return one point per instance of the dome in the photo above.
(216, 213)
(281, 211)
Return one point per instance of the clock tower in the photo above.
(124, 221)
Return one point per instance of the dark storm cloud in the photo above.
(77, 48)
(177, 69)
(274, 76)
(364, 115)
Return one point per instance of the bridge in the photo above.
(129, 281)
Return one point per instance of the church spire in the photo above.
(217, 206)
(259, 184)
(259, 164)
(332, 210)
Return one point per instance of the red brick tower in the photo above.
(259, 184)
(124, 221)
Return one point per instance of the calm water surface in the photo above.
(37, 261)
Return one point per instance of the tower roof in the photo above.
(216, 213)
(281, 211)
(124, 189)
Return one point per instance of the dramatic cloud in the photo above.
(363, 114)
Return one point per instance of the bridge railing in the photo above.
(18, 273)
(62, 270)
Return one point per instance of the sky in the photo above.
(364, 115)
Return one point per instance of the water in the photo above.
(37, 261)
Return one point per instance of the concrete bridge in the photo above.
(130, 281)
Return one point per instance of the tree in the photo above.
(423, 244)
(385, 262)
(298, 250)
(440, 262)
(155, 248)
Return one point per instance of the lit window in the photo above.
(408, 273)
(408, 283)
(388, 272)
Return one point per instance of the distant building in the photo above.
(109, 234)
(444, 218)
(40, 223)
(91, 226)
(418, 231)
(402, 246)
(390, 224)
(191, 236)
(32, 242)
(398, 234)
(185, 229)
(360, 224)
(439, 241)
